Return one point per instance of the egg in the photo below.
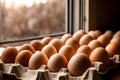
(27, 47)
(84, 49)
(94, 44)
(73, 42)
(57, 43)
(37, 59)
(109, 34)
(56, 62)
(115, 40)
(98, 33)
(85, 39)
(65, 37)
(37, 45)
(9, 54)
(49, 50)
(99, 54)
(112, 49)
(117, 34)
(78, 64)
(46, 40)
(103, 40)
(94, 34)
(77, 35)
(67, 51)
(23, 57)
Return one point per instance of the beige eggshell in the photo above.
(84, 49)
(103, 40)
(85, 39)
(65, 37)
(99, 54)
(37, 45)
(112, 49)
(27, 47)
(56, 62)
(73, 42)
(23, 57)
(37, 59)
(9, 54)
(93, 34)
(46, 40)
(67, 51)
(49, 50)
(77, 35)
(94, 44)
(78, 64)
(57, 43)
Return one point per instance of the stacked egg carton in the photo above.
(97, 70)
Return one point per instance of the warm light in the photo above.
(18, 3)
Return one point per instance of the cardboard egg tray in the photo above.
(97, 72)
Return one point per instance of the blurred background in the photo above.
(27, 18)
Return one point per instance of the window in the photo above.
(23, 20)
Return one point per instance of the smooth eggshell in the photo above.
(9, 54)
(37, 45)
(94, 44)
(84, 49)
(49, 50)
(112, 49)
(85, 39)
(46, 40)
(100, 55)
(57, 43)
(27, 47)
(23, 57)
(65, 37)
(78, 64)
(56, 62)
(73, 42)
(67, 51)
(37, 59)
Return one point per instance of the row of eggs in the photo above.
(75, 52)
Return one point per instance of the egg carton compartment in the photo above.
(97, 72)
(18, 72)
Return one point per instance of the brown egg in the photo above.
(117, 34)
(93, 34)
(49, 50)
(73, 42)
(112, 49)
(65, 37)
(46, 40)
(57, 43)
(98, 33)
(77, 35)
(37, 45)
(99, 54)
(37, 59)
(78, 64)
(56, 62)
(23, 57)
(67, 51)
(84, 49)
(115, 40)
(85, 39)
(9, 54)
(94, 44)
(27, 47)
(103, 40)
(109, 34)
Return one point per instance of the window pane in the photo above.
(28, 18)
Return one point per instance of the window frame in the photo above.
(71, 10)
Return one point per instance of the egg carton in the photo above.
(97, 72)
